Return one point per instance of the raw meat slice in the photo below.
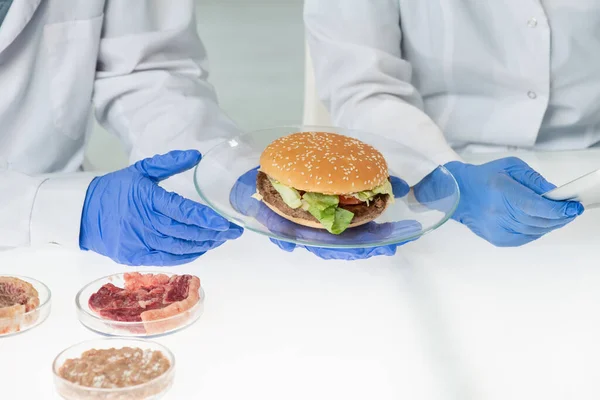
(17, 297)
(184, 295)
(135, 280)
(147, 298)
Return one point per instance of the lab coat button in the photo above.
(532, 95)
(532, 23)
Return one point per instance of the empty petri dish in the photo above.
(24, 304)
(114, 368)
(140, 304)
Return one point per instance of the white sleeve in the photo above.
(151, 84)
(41, 210)
(361, 75)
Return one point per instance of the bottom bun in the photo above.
(363, 214)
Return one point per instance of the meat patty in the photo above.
(146, 298)
(362, 212)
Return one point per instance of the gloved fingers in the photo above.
(521, 198)
(163, 166)
(169, 227)
(285, 246)
(520, 227)
(514, 240)
(163, 259)
(399, 187)
(541, 223)
(530, 178)
(351, 254)
(187, 211)
(176, 246)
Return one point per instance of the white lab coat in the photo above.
(458, 74)
(140, 64)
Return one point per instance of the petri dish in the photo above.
(225, 180)
(156, 327)
(153, 389)
(19, 323)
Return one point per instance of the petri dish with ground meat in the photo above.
(114, 368)
(140, 304)
(24, 304)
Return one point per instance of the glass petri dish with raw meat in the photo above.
(140, 304)
(24, 304)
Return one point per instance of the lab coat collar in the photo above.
(19, 14)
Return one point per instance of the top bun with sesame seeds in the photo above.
(323, 162)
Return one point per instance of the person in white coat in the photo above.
(141, 66)
(469, 75)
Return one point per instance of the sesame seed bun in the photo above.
(322, 162)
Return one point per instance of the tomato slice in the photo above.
(349, 200)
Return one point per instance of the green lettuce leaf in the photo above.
(386, 188)
(321, 201)
(321, 206)
(365, 196)
(290, 196)
(341, 221)
(368, 195)
(325, 209)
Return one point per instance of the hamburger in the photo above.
(324, 180)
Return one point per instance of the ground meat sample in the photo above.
(17, 297)
(114, 368)
(146, 298)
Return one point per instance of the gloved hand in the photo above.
(242, 201)
(501, 201)
(128, 217)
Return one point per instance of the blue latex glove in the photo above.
(501, 201)
(242, 201)
(128, 217)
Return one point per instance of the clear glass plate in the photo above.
(225, 181)
(93, 321)
(22, 323)
(152, 390)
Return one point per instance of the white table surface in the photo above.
(450, 317)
